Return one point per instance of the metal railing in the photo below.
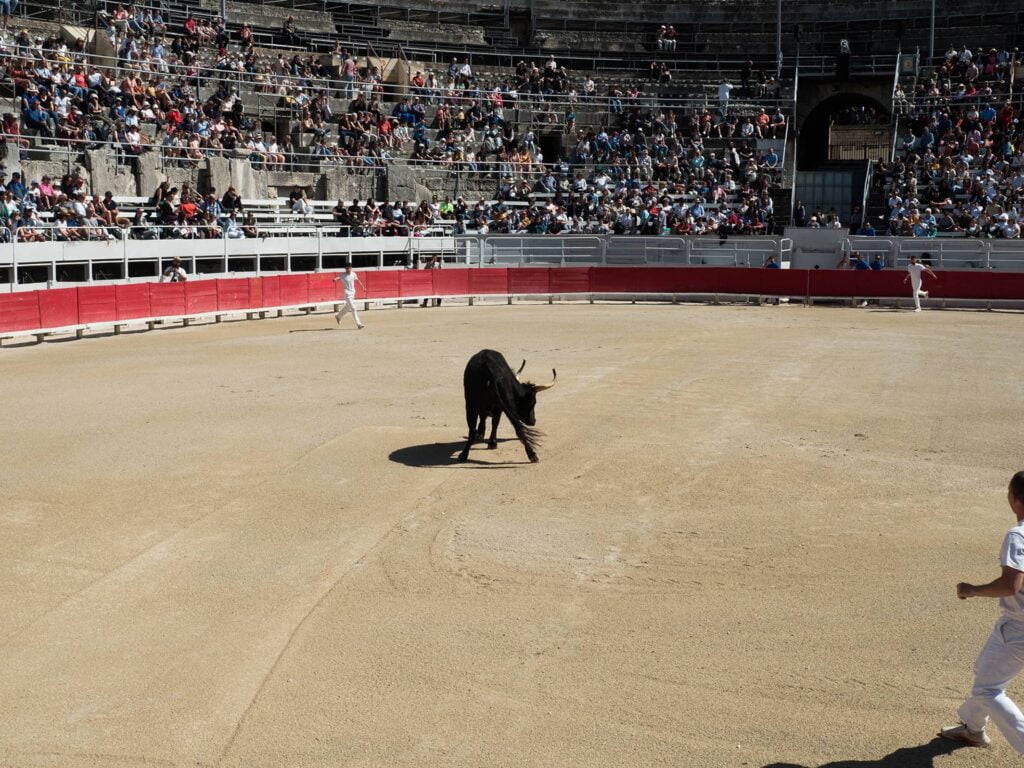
(865, 192)
(876, 151)
(577, 250)
(944, 253)
(284, 245)
(41, 231)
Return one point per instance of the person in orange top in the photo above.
(762, 122)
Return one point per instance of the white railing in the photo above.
(941, 253)
(609, 250)
(310, 243)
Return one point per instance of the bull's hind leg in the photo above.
(493, 441)
(471, 421)
(481, 429)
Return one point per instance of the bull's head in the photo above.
(528, 400)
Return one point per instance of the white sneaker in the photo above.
(918, 309)
(360, 327)
(924, 294)
(961, 733)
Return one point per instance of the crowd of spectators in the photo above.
(151, 102)
(43, 210)
(960, 162)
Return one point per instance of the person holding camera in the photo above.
(174, 273)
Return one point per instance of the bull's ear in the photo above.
(542, 387)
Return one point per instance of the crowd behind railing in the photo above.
(958, 168)
(71, 97)
(558, 203)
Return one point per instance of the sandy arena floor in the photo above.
(248, 545)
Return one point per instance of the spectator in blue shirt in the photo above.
(771, 263)
(867, 229)
(857, 261)
(16, 186)
(876, 262)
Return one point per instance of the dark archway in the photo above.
(812, 149)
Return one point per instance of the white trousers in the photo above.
(350, 306)
(999, 662)
(915, 283)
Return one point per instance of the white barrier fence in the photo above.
(25, 265)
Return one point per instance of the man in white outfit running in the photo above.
(914, 270)
(348, 279)
(1002, 658)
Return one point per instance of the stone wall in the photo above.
(605, 42)
(435, 33)
(272, 16)
(330, 182)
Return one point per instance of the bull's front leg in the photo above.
(492, 443)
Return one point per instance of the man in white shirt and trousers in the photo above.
(1002, 658)
(914, 274)
(348, 279)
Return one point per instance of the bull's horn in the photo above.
(520, 370)
(542, 387)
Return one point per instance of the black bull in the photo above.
(492, 389)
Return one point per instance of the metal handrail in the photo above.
(893, 111)
(866, 191)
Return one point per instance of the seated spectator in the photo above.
(249, 225)
(231, 229)
(290, 34)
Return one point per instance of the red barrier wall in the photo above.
(529, 280)
(20, 311)
(62, 307)
(271, 291)
(613, 279)
(167, 299)
(58, 307)
(417, 282)
(294, 289)
(256, 291)
(233, 293)
(323, 288)
(97, 304)
(450, 282)
(381, 285)
(569, 280)
(133, 301)
(485, 281)
(200, 296)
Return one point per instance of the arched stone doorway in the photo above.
(813, 146)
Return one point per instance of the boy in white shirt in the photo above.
(1002, 658)
(915, 270)
(348, 280)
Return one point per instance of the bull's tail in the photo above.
(530, 436)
